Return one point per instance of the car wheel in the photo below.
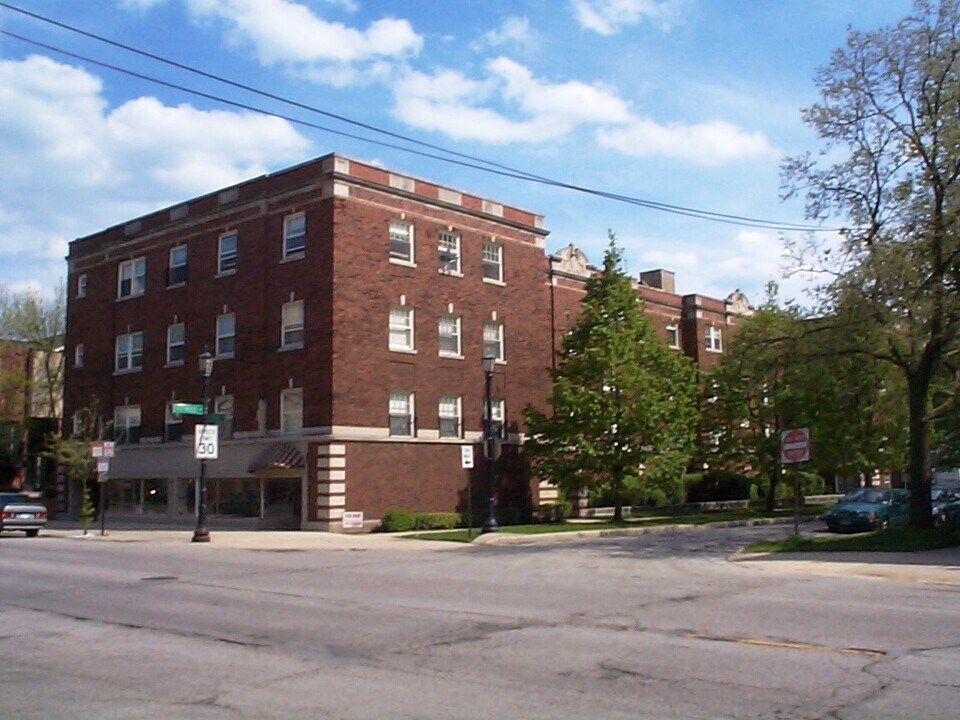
(32, 533)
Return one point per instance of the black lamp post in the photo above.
(488, 444)
(202, 533)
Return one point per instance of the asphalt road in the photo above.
(655, 626)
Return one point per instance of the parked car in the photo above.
(868, 509)
(19, 512)
(940, 497)
(951, 509)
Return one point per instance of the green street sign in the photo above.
(187, 409)
(215, 418)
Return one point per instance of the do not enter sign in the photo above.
(795, 446)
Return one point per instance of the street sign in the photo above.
(215, 418)
(352, 520)
(187, 409)
(103, 466)
(466, 457)
(794, 446)
(102, 449)
(206, 442)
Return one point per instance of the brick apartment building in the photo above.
(348, 308)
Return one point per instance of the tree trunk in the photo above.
(921, 514)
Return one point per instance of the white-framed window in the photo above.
(673, 336)
(291, 324)
(177, 270)
(129, 352)
(172, 425)
(401, 413)
(78, 355)
(294, 235)
(498, 413)
(82, 286)
(401, 241)
(449, 410)
(291, 410)
(226, 335)
(493, 261)
(132, 278)
(449, 249)
(714, 338)
(176, 335)
(227, 253)
(401, 327)
(223, 404)
(126, 423)
(493, 339)
(449, 331)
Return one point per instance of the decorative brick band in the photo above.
(331, 482)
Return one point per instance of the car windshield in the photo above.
(7, 498)
(866, 495)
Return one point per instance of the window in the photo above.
(227, 253)
(401, 241)
(177, 271)
(294, 235)
(172, 425)
(493, 262)
(223, 404)
(714, 339)
(82, 286)
(132, 278)
(175, 340)
(129, 352)
(401, 327)
(493, 339)
(78, 423)
(498, 414)
(126, 423)
(449, 411)
(291, 410)
(673, 336)
(226, 335)
(78, 355)
(401, 413)
(450, 335)
(450, 253)
(291, 331)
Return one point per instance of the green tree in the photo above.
(889, 116)
(624, 409)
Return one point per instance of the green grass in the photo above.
(892, 540)
(644, 519)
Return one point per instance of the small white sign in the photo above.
(352, 520)
(206, 442)
(466, 457)
(103, 466)
(108, 448)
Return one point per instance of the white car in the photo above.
(19, 512)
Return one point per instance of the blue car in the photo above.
(865, 509)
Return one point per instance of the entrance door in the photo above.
(281, 503)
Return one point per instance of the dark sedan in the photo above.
(19, 512)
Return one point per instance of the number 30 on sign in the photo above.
(206, 442)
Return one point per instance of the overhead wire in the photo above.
(465, 160)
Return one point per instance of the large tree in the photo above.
(889, 119)
(624, 406)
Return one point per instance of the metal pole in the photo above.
(796, 500)
(102, 502)
(202, 533)
(491, 524)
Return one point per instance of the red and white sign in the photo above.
(352, 520)
(102, 449)
(794, 446)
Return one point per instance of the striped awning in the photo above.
(279, 456)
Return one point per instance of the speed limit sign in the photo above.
(206, 442)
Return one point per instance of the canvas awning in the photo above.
(279, 456)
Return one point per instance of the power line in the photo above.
(467, 161)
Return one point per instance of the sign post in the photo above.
(102, 451)
(795, 448)
(466, 462)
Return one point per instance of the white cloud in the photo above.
(72, 165)
(282, 31)
(140, 5)
(608, 17)
(513, 31)
(710, 143)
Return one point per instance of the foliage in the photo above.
(907, 539)
(889, 121)
(623, 404)
(436, 520)
(718, 485)
(396, 520)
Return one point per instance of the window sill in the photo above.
(288, 348)
(451, 273)
(491, 281)
(174, 286)
(178, 363)
(403, 263)
(293, 257)
(225, 273)
(715, 350)
(132, 371)
(129, 297)
(451, 356)
(224, 356)
(404, 351)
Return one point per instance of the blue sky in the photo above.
(683, 102)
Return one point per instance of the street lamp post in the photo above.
(488, 364)
(202, 533)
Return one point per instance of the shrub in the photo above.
(397, 520)
(718, 485)
(436, 521)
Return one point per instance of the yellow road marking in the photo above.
(788, 644)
